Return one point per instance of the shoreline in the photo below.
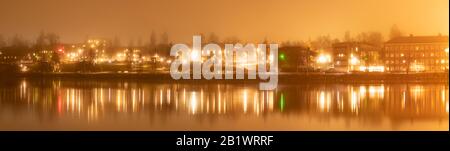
(283, 78)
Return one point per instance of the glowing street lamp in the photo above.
(323, 59)
(354, 61)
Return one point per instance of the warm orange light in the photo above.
(354, 61)
(323, 58)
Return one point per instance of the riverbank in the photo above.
(283, 77)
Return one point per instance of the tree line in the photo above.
(18, 46)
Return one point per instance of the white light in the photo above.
(354, 60)
(362, 68)
(372, 68)
(24, 69)
(323, 58)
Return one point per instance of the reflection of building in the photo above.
(354, 56)
(416, 54)
(104, 100)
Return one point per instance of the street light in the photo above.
(323, 59)
(354, 61)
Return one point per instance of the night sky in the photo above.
(277, 20)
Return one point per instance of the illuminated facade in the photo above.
(416, 54)
(355, 56)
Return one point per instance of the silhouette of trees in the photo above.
(163, 49)
(153, 39)
(164, 38)
(395, 32)
(231, 40)
(139, 42)
(152, 43)
(131, 43)
(17, 46)
(45, 47)
(322, 43)
(348, 37)
(213, 38)
(2, 42)
(373, 38)
(116, 43)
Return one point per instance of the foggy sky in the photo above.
(276, 20)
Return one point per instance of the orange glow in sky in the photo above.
(277, 20)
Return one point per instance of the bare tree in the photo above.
(152, 39)
(53, 40)
(139, 42)
(116, 42)
(213, 38)
(164, 38)
(395, 32)
(2, 42)
(231, 40)
(362, 37)
(373, 38)
(40, 41)
(17, 45)
(131, 43)
(322, 43)
(347, 37)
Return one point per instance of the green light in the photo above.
(282, 57)
(282, 102)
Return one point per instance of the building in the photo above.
(295, 59)
(356, 56)
(416, 54)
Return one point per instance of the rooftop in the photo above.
(419, 39)
(351, 44)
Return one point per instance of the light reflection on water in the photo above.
(130, 105)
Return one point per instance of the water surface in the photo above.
(53, 104)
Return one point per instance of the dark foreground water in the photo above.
(27, 104)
